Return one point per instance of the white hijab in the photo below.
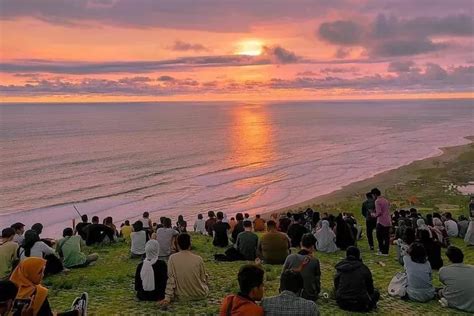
(325, 238)
(421, 225)
(147, 274)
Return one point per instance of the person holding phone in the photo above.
(33, 296)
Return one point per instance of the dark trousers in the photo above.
(383, 238)
(370, 225)
(360, 305)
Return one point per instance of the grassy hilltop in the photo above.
(425, 183)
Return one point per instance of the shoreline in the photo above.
(381, 180)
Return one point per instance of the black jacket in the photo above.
(353, 282)
(161, 277)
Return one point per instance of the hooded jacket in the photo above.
(353, 281)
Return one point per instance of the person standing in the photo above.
(368, 211)
(384, 222)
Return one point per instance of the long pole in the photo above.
(77, 210)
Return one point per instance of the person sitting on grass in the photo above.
(166, 236)
(418, 270)
(289, 302)
(151, 274)
(297, 230)
(200, 225)
(258, 224)
(463, 223)
(439, 232)
(354, 285)
(344, 234)
(433, 249)
(79, 229)
(284, 222)
(19, 231)
(250, 279)
(273, 246)
(308, 265)
(96, 233)
(126, 230)
(8, 292)
(8, 252)
(220, 232)
(34, 247)
(139, 237)
(451, 225)
(325, 238)
(210, 222)
(469, 238)
(404, 243)
(28, 276)
(181, 224)
(458, 282)
(38, 228)
(187, 277)
(69, 249)
(239, 227)
(247, 242)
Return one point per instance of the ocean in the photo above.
(121, 159)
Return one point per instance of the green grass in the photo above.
(110, 282)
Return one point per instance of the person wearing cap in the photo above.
(19, 231)
(354, 285)
(8, 252)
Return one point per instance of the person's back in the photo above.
(187, 278)
(247, 243)
(151, 274)
(69, 248)
(288, 302)
(80, 229)
(284, 223)
(8, 252)
(295, 232)
(354, 284)
(458, 281)
(200, 225)
(39, 250)
(126, 231)
(220, 230)
(273, 245)
(418, 270)
(259, 224)
(309, 267)
(96, 233)
(210, 222)
(463, 223)
(451, 228)
(239, 227)
(165, 237)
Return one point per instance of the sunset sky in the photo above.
(117, 50)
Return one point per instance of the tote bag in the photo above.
(398, 285)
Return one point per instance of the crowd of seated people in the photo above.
(168, 271)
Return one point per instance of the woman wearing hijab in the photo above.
(27, 277)
(421, 225)
(433, 249)
(344, 234)
(400, 231)
(440, 232)
(325, 238)
(151, 274)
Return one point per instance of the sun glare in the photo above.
(249, 48)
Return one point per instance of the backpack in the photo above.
(398, 285)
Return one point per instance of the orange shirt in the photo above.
(259, 225)
(241, 306)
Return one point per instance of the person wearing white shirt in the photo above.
(200, 225)
(451, 226)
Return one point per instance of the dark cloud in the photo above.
(165, 78)
(341, 32)
(271, 55)
(432, 78)
(389, 36)
(402, 66)
(307, 74)
(280, 55)
(213, 15)
(184, 46)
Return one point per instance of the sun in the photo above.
(249, 47)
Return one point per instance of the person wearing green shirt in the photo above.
(69, 248)
(8, 252)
